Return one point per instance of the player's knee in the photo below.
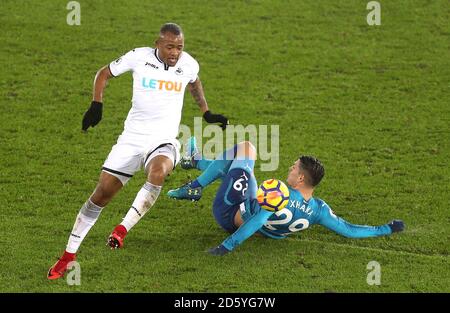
(102, 195)
(157, 174)
(247, 149)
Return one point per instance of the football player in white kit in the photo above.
(160, 76)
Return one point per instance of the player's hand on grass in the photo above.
(93, 115)
(396, 226)
(219, 250)
(216, 118)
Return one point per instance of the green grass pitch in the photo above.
(372, 102)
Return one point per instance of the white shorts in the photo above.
(131, 153)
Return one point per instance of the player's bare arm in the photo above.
(100, 82)
(93, 115)
(197, 92)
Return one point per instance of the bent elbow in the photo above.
(103, 73)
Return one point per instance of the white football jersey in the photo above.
(158, 91)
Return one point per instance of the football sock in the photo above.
(86, 218)
(144, 200)
(203, 164)
(216, 168)
(195, 184)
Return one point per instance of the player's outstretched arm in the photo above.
(245, 231)
(196, 89)
(328, 219)
(94, 114)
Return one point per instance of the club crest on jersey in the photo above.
(179, 71)
(157, 84)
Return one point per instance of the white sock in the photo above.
(86, 218)
(145, 199)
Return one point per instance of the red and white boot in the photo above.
(60, 267)
(115, 240)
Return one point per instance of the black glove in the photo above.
(93, 115)
(396, 226)
(216, 118)
(219, 250)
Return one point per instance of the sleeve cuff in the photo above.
(109, 66)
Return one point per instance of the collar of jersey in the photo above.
(166, 66)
